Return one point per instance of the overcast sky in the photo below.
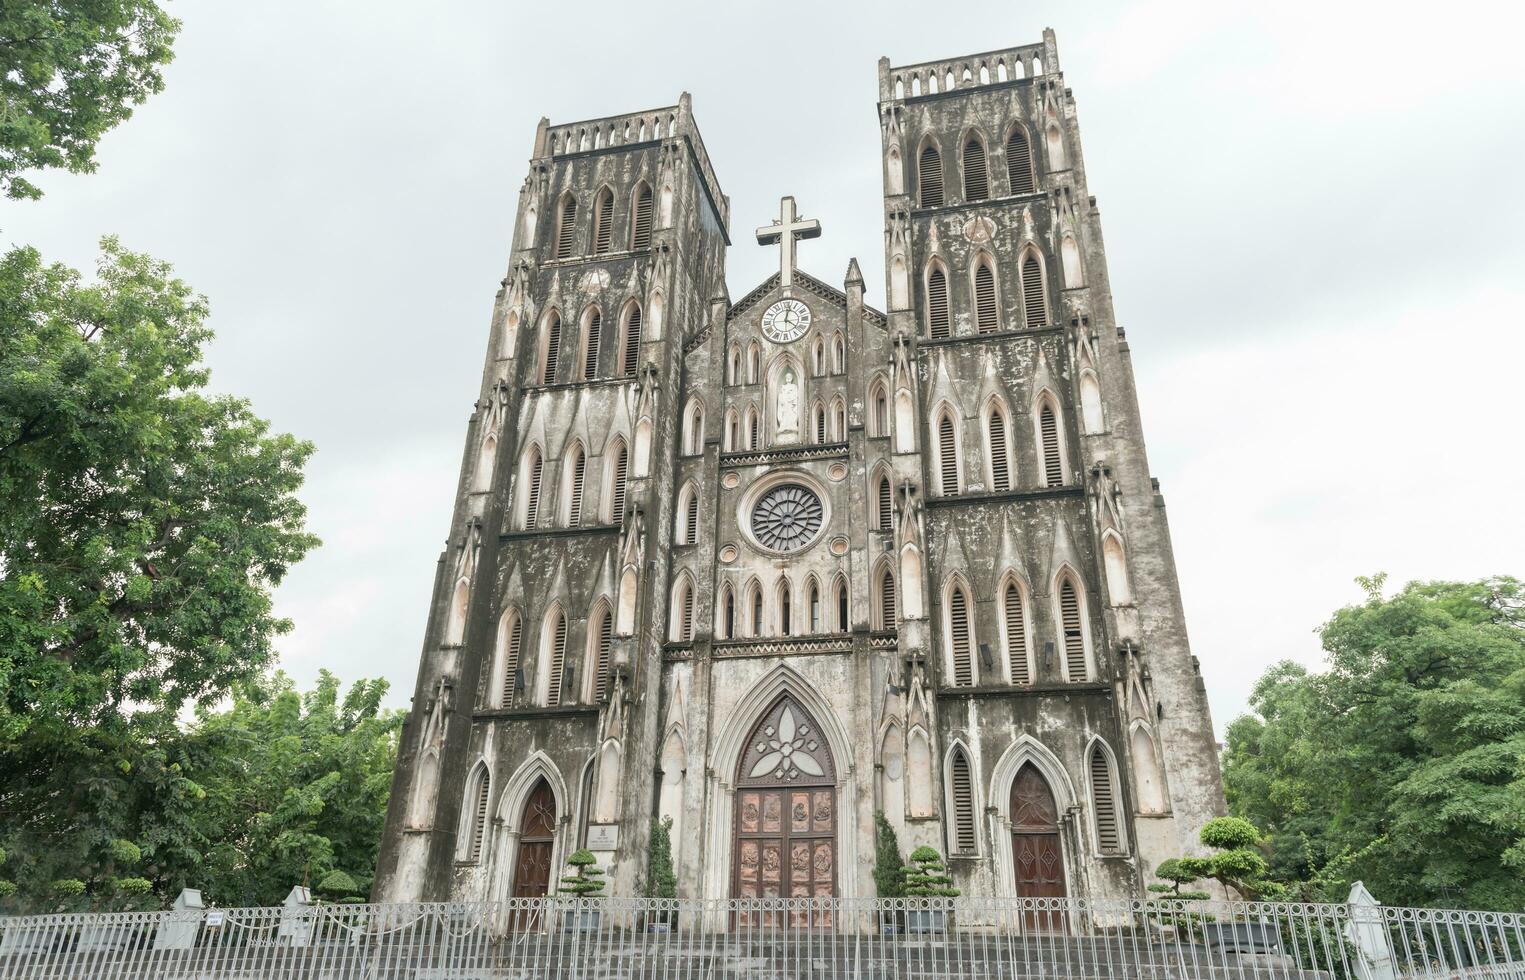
(1312, 210)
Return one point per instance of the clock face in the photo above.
(786, 320)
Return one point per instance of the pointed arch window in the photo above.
(987, 316)
(1090, 402)
(534, 471)
(976, 179)
(733, 366)
(550, 348)
(755, 610)
(1000, 464)
(754, 363)
(820, 422)
(592, 334)
(640, 224)
(843, 622)
(838, 354)
(577, 473)
(947, 453)
(1034, 302)
(601, 642)
(961, 635)
(618, 468)
(885, 607)
(693, 437)
(961, 795)
(732, 431)
(1019, 162)
(884, 508)
(879, 414)
(1049, 446)
(838, 420)
(566, 227)
(818, 357)
(1014, 618)
(816, 613)
(477, 797)
(554, 656)
(1071, 624)
(688, 516)
(929, 177)
(510, 640)
(728, 612)
(603, 222)
(682, 628)
(630, 340)
(485, 459)
(785, 608)
(1104, 801)
(754, 430)
(937, 303)
(1119, 591)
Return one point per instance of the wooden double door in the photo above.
(1037, 855)
(784, 838)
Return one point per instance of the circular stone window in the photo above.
(787, 517)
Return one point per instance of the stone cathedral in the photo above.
(767, 565)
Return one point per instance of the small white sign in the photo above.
(214, 918)
(603, 836)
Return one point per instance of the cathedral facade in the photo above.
(767, 566)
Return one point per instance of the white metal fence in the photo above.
(865, 939)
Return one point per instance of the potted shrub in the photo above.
(586, 882)
(927, 877)
(889, 871)
(661, 880)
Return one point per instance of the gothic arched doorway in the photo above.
(785, 838)
(537, 837)
(1036, 852)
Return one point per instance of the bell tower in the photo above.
(1051, 610)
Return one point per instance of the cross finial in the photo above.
(785, 231)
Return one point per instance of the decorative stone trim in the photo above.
(1030, 690)
(764, 457)
(1035, 493)
(785, 646)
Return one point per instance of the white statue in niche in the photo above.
(787, 417)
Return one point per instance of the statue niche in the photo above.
(784, 398)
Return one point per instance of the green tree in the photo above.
(661, 881)
(926, 876)
(293, 787)
(70, 70)
(889, 868)
(1403, 763)
(586, 878)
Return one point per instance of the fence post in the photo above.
(1367, 929)
(178, 929)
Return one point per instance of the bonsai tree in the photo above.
(587, 882)
(338, 887)
(661, 881)
(889, 869)
(1236, 864)
(926, 876)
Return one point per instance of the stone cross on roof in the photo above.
(784, 231)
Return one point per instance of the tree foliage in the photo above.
(143, 522)
(661, 880)
(70, 70)
(927, 877)
(889, 867)
(586, 879)
(278, 789)
(1403, 763)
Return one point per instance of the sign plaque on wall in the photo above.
(603, 836)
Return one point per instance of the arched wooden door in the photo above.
(1036, 853)
(785, 837)
(537, 835)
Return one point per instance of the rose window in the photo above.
(787, 518)
(785, 752)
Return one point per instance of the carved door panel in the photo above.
(532, 866)
(785, 839)
(1036, 853)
